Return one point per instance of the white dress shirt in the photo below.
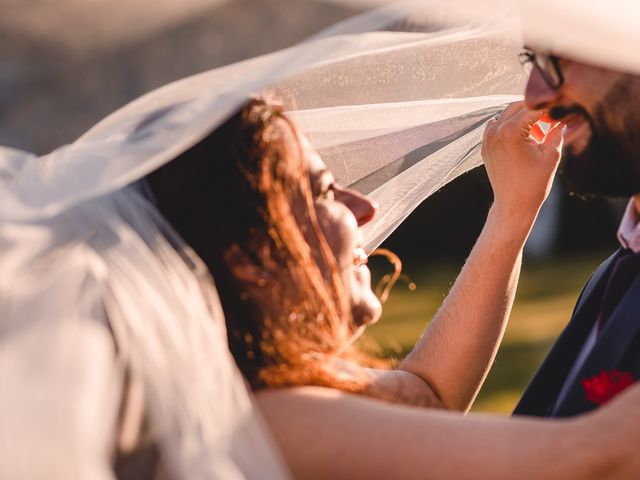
(629, 229)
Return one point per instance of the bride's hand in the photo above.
(520, 169)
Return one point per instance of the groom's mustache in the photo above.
(560, 112)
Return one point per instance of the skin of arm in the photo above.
(451, 360)
(330, 434)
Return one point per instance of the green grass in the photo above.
(544, 302)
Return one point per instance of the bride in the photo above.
(281, 240)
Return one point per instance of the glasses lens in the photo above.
(549, 69)
(547, 66)
(553, 71)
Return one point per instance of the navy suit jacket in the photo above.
(617, 347)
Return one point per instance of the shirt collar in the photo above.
(629, 229)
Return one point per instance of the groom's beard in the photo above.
(610, 163)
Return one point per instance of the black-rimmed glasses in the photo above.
(547, 65)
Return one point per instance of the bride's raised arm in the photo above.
(456, 351)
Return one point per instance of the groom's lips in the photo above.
(577, 126)
(576, 120)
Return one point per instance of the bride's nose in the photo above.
(363, 208)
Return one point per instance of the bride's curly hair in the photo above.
(242, 199)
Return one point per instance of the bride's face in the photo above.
(340, 213)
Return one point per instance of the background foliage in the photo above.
(547, 293)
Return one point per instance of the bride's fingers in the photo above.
(522, 122)
(494, 123)
(488, 134)
(554, 138)
(517, 118)
(516, 124)
(511, 110)
(503, 125)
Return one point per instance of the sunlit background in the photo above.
(65, 64)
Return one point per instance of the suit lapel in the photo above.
(612, 343)
(540, 396)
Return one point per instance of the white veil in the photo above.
(379, 107)
(100, 291)
(95, 288)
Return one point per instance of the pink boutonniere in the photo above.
(606, 385)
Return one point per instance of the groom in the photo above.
(598, 354)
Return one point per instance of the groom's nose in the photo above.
(538, 94)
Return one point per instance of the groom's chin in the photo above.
(577, 175)
(599, 172)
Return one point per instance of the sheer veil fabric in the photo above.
(95, 287)
(101, 290)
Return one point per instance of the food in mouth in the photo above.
(537, 131)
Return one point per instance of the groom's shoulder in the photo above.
(604, 265)
(597, 274)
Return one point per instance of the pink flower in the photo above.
(606, 385)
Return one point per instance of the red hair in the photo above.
(242, 199)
